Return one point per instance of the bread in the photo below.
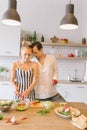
(83, 117)
(80, 122)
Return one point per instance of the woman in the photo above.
(24, 74)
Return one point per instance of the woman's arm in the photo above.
(13, 77)
(55, 69)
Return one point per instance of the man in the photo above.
(48, 75)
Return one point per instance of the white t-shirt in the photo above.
(47, 72)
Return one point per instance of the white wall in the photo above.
(8, 34)
(44, 16)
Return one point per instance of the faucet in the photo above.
(75, 74)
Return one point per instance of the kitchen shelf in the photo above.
(66, 44)
(71, 58)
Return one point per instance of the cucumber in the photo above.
(65, 113)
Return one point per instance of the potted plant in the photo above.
(83, 40)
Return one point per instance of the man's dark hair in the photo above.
(37, 44)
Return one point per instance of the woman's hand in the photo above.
(23, 94)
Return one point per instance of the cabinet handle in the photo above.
(80, 87)
(8, 52)
(4, 84)
(66, 94)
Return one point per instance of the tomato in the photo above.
(70, 55)
(21, 104)
(34, 103)
(54, 81)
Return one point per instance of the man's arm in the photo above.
(55, 71)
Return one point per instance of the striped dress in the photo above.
(24, 79)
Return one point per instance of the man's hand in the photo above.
(54, 81)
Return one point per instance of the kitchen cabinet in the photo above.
(62, 90)
(73, 92)
(9, 41)
(6, 90)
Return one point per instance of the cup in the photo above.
(82, 53)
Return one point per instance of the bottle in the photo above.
(76, 53)
(69, 77)
(42, 38)
(34, 37)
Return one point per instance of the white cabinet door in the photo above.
(9, 41)
(77, 93)
(73, 92)
(6, 91)
(61, 88)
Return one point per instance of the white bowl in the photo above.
(21, 105)
(5, 105)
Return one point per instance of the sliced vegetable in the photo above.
(1, 116)
(6, 102)
(18, 100)
(35, 102)
(38, 101)
(65, 113)
(43, 112)
(48, 104)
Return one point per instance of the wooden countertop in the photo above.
(34, 121)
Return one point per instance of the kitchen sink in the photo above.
(75, 80)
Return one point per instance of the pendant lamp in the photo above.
(11, 17)
(69, 21)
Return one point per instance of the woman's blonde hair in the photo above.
(26, 46)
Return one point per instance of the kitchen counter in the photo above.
(71, 82)
(34, 121)
(60, 81)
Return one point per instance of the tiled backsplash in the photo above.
(67, 68)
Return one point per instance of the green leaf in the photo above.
(65, 113)
(1, 117)
(43, 112)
